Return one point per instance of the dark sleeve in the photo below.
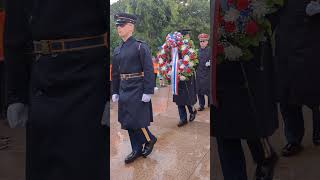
(209, 57)
(115, 73)
(148, 86)
(16, 42)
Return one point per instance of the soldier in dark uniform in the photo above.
(186, 95)
(56, 59)
(203, 71)
(297, 44)
(132, 87)
(245, 110)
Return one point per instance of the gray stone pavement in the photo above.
(179, 154)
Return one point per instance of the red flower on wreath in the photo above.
(184, 52)
(242, 4)
(192, 56)
(185, 62)
(188, 70)
(230, 27)
(251, 28)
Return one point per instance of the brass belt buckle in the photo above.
(45, 47)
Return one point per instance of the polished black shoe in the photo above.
(265, 170)
(291, 150)
(316, 141)
(316, 138)
(193, 116)
(182, 123)
(132, 156)
(148, 147)
(201, 108)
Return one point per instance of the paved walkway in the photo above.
(179, 154)
(305, 166)
(12, 159)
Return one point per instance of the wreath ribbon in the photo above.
(174, 77)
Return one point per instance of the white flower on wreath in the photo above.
(163, 68)
(160, 60)
(162, 51)
(232, 52)
(231, 15)
(182, 78)
(260, 8)
(191, 50)
(191, 64)
(182, 66)
(183, 47)
(186, 58)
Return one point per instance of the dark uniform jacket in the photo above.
(66, 93)
(129, 57)
(308, 92)
(246, 101)
(203, 72)
(297, 76)
(297, 54)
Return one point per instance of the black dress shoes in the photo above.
(132, 156)
(193, 116)
(291, 150)
(148, 147)
(182, 123)
(265, 170)
(316, 138)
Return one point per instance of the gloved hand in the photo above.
(146, 98)
(313, 8)
(115, 97)
(17, 115)
(208, 63)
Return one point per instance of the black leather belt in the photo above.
(67, 45)
(130, 76)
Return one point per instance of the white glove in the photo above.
(313, 8)
(146, 98)
(115, 97)
(208, 64)
(17, 115)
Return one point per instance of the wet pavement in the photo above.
(179, 154)
(12, 159)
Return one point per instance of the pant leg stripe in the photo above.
(146, 134)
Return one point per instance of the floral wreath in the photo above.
(243, 26)
(187, 57)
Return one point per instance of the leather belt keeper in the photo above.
(130, 76)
